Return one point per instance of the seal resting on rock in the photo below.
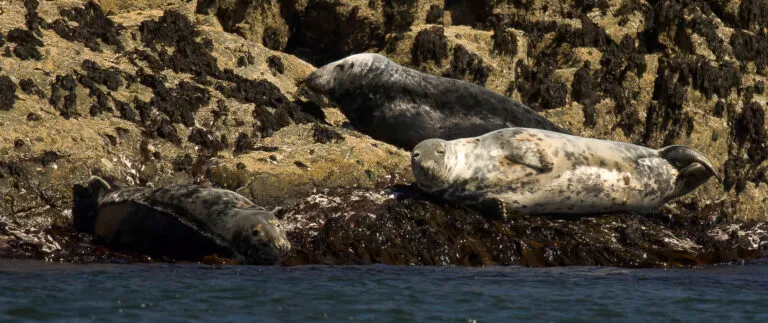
(184, 222)
(534, 171)
(403, 106)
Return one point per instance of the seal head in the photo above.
(256, 236)
(432, 164)
(335, 78)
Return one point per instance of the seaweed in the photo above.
(583, 91)
(275, 64)
(465, 64)
(429, 44)
(64, 88)
(93, 26)
(27, 44)
(434, 15)
(7, 93)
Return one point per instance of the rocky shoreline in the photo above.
(158, 92)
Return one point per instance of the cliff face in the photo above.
(157, 92)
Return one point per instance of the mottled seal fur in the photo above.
(535, 171)
(403, 106)
(183, 222)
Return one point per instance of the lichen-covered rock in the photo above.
(155, 98)
(157, 92)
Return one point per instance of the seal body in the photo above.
(403, 106)
(185, 222)
(542, 172)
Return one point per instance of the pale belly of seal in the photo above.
(591, 189)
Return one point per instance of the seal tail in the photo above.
(693, 166)
(86, 203)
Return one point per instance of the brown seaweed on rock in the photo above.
(352, 227)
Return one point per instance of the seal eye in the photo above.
(256, 233)
(440, 150)
(416, 154)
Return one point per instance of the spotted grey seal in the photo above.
(536, 171)
(403, 106)
(184, 222)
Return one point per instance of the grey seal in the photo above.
(184, 222)
(403, 106)
(532, 171)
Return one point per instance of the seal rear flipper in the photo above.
(694, 168)
(86, 199)
(681, 157)
(691, 177)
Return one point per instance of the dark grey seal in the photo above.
(403, 106)
(534, 171)
(183, 222)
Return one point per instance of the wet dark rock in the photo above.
(7, 93)
(323, 134)
(275, 64)
(92, 26)
(429, 44)
(28, 86)
(363, 227)
(434, 15)
(27, 44)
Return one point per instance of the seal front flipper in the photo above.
(529, 154)
(492, 208)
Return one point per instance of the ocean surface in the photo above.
(184, 292)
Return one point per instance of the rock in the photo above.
(158, 92)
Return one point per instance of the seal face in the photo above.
(185, 222)
(403, 106)
(542, 172)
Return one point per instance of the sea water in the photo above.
(185, 292)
